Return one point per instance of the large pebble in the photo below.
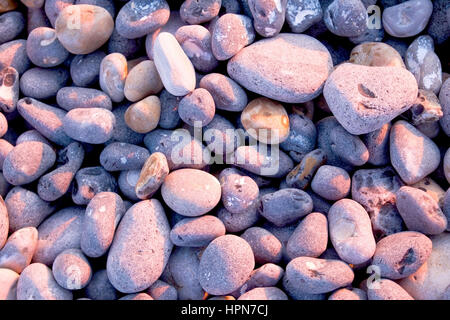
(413, 155)
(8, 284)
(407, 19)
(83, 28)
(265, 246)
(18, 251)
(141, 247)
(174, 67)
(315, 276)
(196, 232)
(191, 192)
(359, 99)
(420, 211)
(346, 18)
(91, 125)
(225, 265)
(267, 67)
(401, 254)
(44, 49)
(351, 231)
(331, 183)
(386, 289)
(27, 162)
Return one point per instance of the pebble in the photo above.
(121, 131)
(420, 211)
(11, 25)
(431, 281)
(118, 156)
(351, 231)
(230, 34)
(331, 183)
(56, 183)
(128, 47)
(310, 237)
(267, 67)
(9, 87)
(265, 246)
(83, 28)
(100, 288)
(90, 125)
(220, 136)
(266, 293)
(8, 5)
(44, 49)
(348, 294)
(69, 98)
(3, 125)
(401, 254)
(89, 181)
(174, 67)
(432, 189)
(316, 276)
(143, 116)
(26, 209)
(226, 93)
(103, 214)
(61, 231)
(361, 103)
(302, 137)
(375, 190)
(54, 7)
(27, 162)
(346, 18)
(31, 135)
(388, 290)
(413, 155)
(113, 74)
(143, 80)
(197, 108)
(197, 232)
(268, 275)
(447, 165)
(240, 192)
(199, 11)
(196, 43)
(141, 247)
(438, 26)
(4, 223)
(8, 284)
(72, 270)
(169, 117)
(161, 290)
(137, 296)
(36, 18)
(285, 206)
(377, 143)
(152, 175)
(407, 19)
(5, 149)
(39, 83)
(266, 121)
(376, 54)
(36, 282)
(85, 69)
(426, 110)
(225, 265)
(237, 222)
(18, 251)
(302, 14)
(14, 54)
(191, 192)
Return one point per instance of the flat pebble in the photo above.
(225, 265)
(401, 254)
(72, 269)
(18, 251)
(141, 247)
(196, 232)
(103, 214)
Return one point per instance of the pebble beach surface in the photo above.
(224, 150)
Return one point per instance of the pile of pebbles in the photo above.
(336, 187)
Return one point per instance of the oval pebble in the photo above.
(113, 73)
(72, 269)
(100, 288)
(18, 251)
(346, 18)
(331, 183)
(142, 80)
(40, 83)
(70, 98)
(44, 49)
(197, 108)
(14, 54)
(265, 246)
(85, 68)
(196, 232)
(118, 156)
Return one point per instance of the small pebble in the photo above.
(376, 54)
(302, 137)
(44, 49)
(268, 16)
(348, 294)
(377, 143)
(265, 246)
(118, 156)
(14, 54)
(143, 80)
(72, 270)
(199, 11)
(161, 290)
(239, 192)
(11, 25)
(100, 288)
(70, 98)
(196, 232)
(346, 18)
(90, 181)
(267, 293)
(85, 69)
(302, 14)
(197, 108)
(331, 183)
(237, 222)
(113, 73)
(18, 251)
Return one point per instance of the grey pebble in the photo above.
(161, 290)
(44, 49)
(90, 181)
(331, 183)
(42, 83)
(346, 18)
(197, 232)
(100, 288)
(31, 135)
(377, 143)
(127, 182)
(265, 246)
(85, 69)
(72, 270)
(197, 108)
(302, 137)
(238, 222)
(169, 118)
(302, 14)
(70, 98)
(14, 54)
(121, 131)
(199, 11)
(11, 25)
(118, 156)
(388, 290)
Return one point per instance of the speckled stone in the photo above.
(346, 18)
(197, 232)
(302, 136)
(161, 290)
(331, 183)
(42, 83)
(72, 270)
(141, 247)
(14, 54)
(18, 251)
(199, 11)
(143, 80)
(265, 246)
(118, 156)
(237, 222)
(70, 98)
(302, 14)
(266, 67)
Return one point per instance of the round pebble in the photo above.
(346, 18)
(265, 246)
(197, 108)
(331, 183)
(143, 116)
(143, 80)
(72, 270)
(44, 49)
(42, 83)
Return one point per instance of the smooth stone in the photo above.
(432, 189)
(27, 162)
(239, 191)
(44, 49)
(9, 89)
(121, 132)
(346, 18)
(72, 270)
(191, 192)
(199, 11)
(387, 290)
(362, 104)
(267, 67)
(42, 83)
(118, 156)
(153, 173)
(113, 73)
(231, 33)
(161, 290)
(90, 125)
(268, 16)
(174, 67)
(18, 251)
(197, 108)
(36, 18)
(61, 231)
(197, 232)
(130, 48)
(83, 28)
(26, 209)
(220, 136)
(103, 214)
(302, 137)
(142, 81)
(69, 98)
(351, 231)
(265, 246)
(8, 284)
(431, 281)
(169, 118)
(377, 143)
(11, 25)
(100, 288)
(331, 183)
(14, 54)
(90, 181)
(85, 69)
(302, 14)
(420, 211)
(143, 116)
(141, 247)
(225, 265)
(316, 276)
(407, 19)
(54, 7)
(237, 222)
(413, 155)
(444, 98)
(310, 237)
(376, 54)
(401, 254)
(36, 282)
(348, 294)
(268, 275)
